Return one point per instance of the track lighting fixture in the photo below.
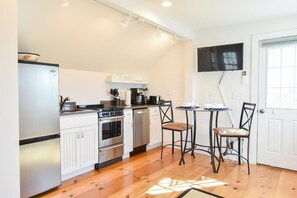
(64, 2)
(174, 39)
(159, 33)
(166, 4)
(126, 21)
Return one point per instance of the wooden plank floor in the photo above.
(146, 175)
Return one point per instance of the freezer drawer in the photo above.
(40, 167)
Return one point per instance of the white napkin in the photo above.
(215, 106)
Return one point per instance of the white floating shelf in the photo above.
(127, 82)
(127, 79)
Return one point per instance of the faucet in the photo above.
(62, 102)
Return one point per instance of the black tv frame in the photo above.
(213, 58)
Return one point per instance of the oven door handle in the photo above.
(111, 118)
(110, 147)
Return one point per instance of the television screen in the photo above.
(220, 58)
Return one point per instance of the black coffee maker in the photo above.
(137, 96)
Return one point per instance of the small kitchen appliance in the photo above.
(155, 100)
(137, 96)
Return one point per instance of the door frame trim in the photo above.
(256, 39)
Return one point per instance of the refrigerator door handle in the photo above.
(39, 139)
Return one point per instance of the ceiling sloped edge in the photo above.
(136, 8)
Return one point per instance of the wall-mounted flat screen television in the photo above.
(220, 58)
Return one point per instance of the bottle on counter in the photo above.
(116, 101)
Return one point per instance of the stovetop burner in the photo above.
(104, 111)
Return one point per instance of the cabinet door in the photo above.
(70, 146)
(155, 127)
(88, 145)
(128, 131)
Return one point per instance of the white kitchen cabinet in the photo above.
(155, 128)
(128, 132)
(79, 142)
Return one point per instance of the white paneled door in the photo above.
(277, 116)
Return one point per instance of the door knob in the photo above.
(262, 111)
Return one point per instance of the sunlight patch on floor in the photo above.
(168, 185)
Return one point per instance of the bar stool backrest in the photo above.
(166, 112)
(246, 116)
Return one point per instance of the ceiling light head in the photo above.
(159, 33)
(64, 3)
(174, 39)
(166, 4)
(126, 21)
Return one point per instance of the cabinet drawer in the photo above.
(73, 121)
(154, 111)
(128, 115)
(128, 112)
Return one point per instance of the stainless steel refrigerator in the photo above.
(40, 168)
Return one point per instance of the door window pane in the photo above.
(287, 76)
(295, 97)
(281, 86)
(287, 97)
(273, 97)
(295, 76)
(273, 77)
(288, 56)
(274, 57)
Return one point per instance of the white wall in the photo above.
(9, 141)
(89, 87)
(235, 91)
(87, 37)
(165, 78)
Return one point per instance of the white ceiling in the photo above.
(201, 14)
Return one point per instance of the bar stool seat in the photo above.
(177, 126)
(231, 132)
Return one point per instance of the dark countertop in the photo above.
(139, 106)
(84, 111)
(81, 111)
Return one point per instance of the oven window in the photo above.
(111, 130)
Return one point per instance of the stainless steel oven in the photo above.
(111, 135)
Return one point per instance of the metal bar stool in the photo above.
(167, 123)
